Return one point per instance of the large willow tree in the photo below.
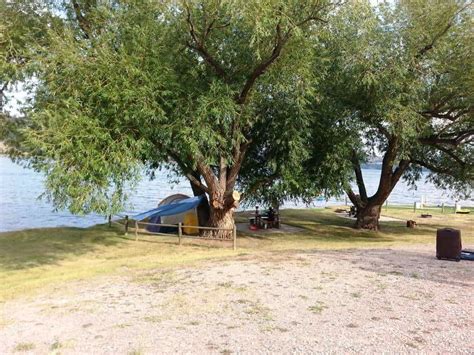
(131, 84)
(399, 83)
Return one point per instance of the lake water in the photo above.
(21, 208)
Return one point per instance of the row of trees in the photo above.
(278, 99)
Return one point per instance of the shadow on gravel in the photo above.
(421, 265)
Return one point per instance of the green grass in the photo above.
(448, 217)
(36, 258)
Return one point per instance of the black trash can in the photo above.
(448, 244)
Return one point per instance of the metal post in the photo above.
(136, 230)
(234, 236)
(386, 205)
(414, 206)
(126, 225)
(110, 220)
(180, 233)
(442, 207)
(346, 200)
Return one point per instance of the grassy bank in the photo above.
(37, 258)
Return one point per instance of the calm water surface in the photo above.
(20, 206)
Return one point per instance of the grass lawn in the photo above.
(37, 258)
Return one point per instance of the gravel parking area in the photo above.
(373, 301)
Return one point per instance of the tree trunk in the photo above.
(203, 209)
(368, 208)
(368, 217)
(203, 212)
(220, 218)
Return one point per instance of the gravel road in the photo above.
(399, 300)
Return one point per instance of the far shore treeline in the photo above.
(278, 100)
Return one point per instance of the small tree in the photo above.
(399, 83)
(132, 84)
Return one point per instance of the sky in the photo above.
(17, 97)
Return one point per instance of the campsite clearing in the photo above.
(328, 287)
(37, 258)
(368, 300)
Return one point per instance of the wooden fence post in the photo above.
(234, 237)
(136, 230)
(180, 233)
(126, 225)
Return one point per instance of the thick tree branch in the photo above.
(198, 44)
(222, 172)
(401, 168)
(359, 177)
(444, 30)
(189, 172)
(430, 45)
(2, 94)
(234, 170)
(386, 175)
(352, 196)
(262, 67)
(280, 40)
(383, 130)
(355, 199)
(453, 139)
(452, 114)
(208, 175)
(311, 18)
(196, 182)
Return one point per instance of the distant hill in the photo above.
(374, 165)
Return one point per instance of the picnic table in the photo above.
(261, 221)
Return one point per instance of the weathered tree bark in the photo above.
(220, 218)
(222, 207)
(368, 217)
(203, 209)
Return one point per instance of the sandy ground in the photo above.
(351, 301)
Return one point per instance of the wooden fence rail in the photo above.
(179, 226)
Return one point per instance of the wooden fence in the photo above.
(418, 205)
(136, 227)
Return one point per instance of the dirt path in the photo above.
(350, 301)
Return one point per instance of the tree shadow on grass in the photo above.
(326, 224)
(48, 246)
